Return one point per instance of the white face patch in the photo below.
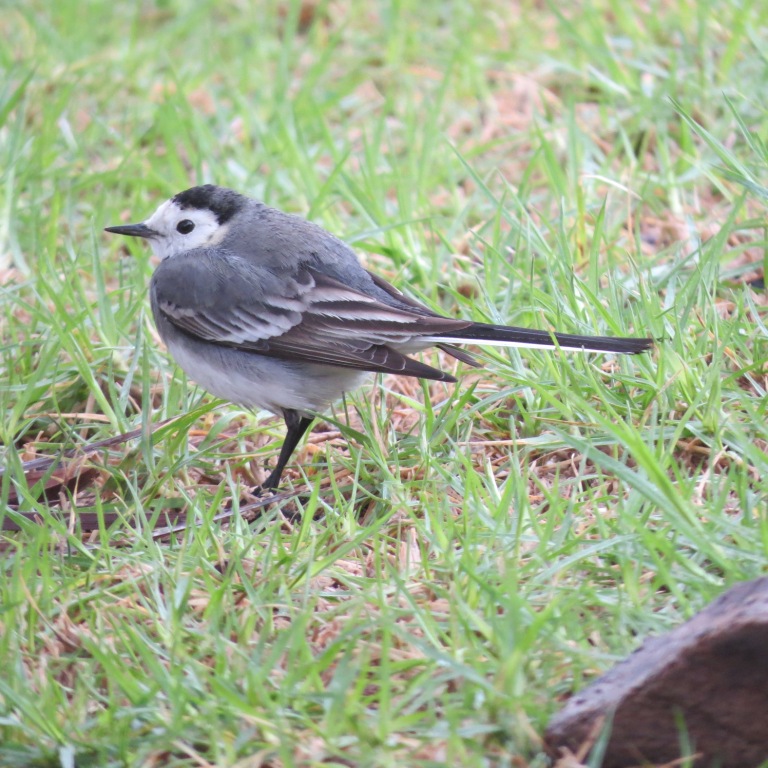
(180, 230)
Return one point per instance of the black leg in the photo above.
(297, 426)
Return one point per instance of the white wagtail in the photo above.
(270, 311)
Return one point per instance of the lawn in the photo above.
(446, 563)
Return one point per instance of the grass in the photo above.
(465, 556)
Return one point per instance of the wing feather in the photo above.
(300, 315)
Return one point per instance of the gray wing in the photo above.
(300, 314)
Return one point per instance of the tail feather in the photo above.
(510, 336)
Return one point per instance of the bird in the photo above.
(270, 311)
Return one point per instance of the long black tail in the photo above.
(510, 336)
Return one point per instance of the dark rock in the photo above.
(708, 676)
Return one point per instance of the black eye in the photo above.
(185, 226)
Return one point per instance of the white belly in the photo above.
(255, 381)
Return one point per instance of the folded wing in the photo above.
(299, 315)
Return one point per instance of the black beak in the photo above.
(133, 230)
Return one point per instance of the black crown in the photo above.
(224, 203)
